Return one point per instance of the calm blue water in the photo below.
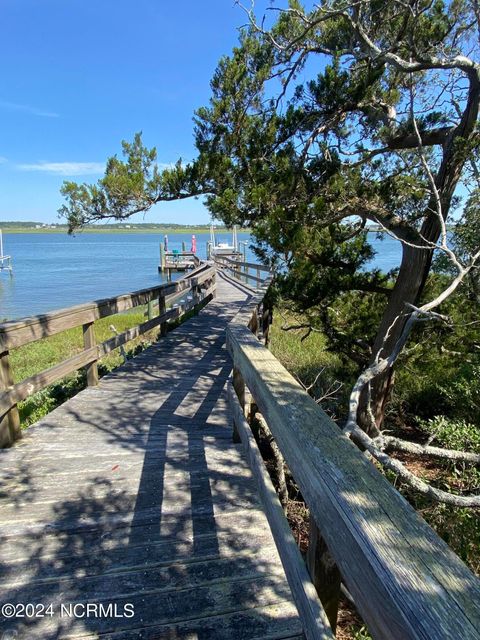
(52, 271)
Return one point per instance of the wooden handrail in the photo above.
(250, 265)
(406, 582)
(200, 282)
(240, 269)
(17, 333)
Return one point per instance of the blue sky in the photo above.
(79, 76)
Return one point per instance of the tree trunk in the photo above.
(415, 265)
(408, 288)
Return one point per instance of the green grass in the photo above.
(303, 358)
(308, 360)
(37, 356)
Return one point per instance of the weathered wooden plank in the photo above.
(272, 622)
(407, 583)
(10, 429)
(237, 283)
(176, 505)
(315, 621)
(324, 573)
(90, 342)
(157, 608)
(177, 538)
(250, 265)
(166, 578)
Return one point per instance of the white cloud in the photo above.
(26, 108)
(65, 168)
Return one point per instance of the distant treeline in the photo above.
(17, 224)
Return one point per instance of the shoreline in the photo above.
(171, 230)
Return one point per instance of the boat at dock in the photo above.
(216, 248)
(5, 261)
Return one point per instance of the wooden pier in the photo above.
(173, 261)
(131, 502)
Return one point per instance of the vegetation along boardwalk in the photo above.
(133, 494)
(131, 512)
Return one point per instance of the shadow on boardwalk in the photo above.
(133, 494)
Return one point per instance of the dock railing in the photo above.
(405, 581)
(243, 271)
(196, 288)
(177, 260)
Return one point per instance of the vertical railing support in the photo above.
(214, 284)
(150, 310)
(90, 341)
(324, 573)
(162, 308)
(239, 387)
(196, 297)
(10, 429)
(253, 324)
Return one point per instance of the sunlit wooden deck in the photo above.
(132, 494)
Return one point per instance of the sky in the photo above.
(80, 76)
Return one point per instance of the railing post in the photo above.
(90, 341)
(266, 321)
(196, 297)
(150, 310)
(253, 324)
(10, 429)
(324, 573)
(162, 308)
(239, 387)
(214, 284)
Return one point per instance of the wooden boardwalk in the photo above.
(132, 496)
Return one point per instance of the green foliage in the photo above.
(460, 528)
(308, 135)
(360, 633)
(127, 187)
(306, 357)
(304, 353)
(453, 434)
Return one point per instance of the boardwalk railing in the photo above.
(195, 289)
(405, 581)
(248, 271)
